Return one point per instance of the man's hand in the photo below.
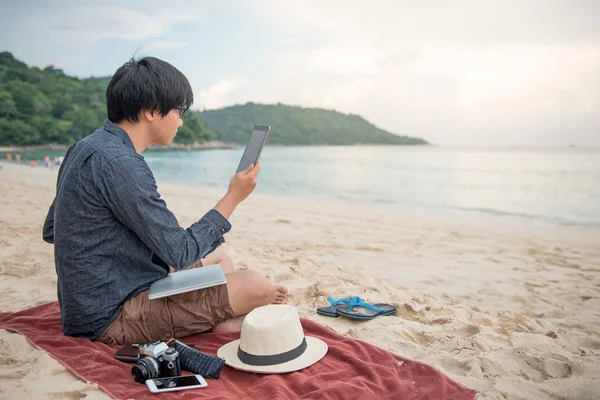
(244, 182)
(240, 187)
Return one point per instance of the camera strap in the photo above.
(198, 362)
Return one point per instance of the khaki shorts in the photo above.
(143, 320)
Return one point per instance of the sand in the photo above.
(504, 306)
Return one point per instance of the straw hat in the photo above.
(272, 341)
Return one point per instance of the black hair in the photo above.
(147, 84)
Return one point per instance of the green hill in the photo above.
(46, 106)
(291, 125)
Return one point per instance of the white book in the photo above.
(187, 280)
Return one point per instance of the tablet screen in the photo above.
(254, 147)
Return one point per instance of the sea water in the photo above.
(560, 186)
(552, 185)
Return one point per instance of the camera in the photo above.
(157, 361)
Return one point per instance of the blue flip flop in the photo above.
(343, 303)
(360, 309)
(331, 310)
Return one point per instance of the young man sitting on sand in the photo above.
(113, 235)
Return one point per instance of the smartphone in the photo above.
(172, 384)
(254, 147)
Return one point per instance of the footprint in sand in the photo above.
(76, 395)
(440, 321)
(294, 261)
(468, 331)
(285, 277)
(588, 343)
(23, 271)
(15, 368)
(454, 366)
(549, 365)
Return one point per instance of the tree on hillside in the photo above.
(43, 106)
(293, 125)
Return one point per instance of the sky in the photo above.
(456, 73)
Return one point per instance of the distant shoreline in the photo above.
(215, 145)
(175, 146)
(211, 145)
(6, 149)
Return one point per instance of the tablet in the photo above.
(187, 280)
(254, 147)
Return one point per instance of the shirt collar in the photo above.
(119, 132)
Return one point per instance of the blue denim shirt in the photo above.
(113, 235)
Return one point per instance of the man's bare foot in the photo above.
(231, 325)
(280, 294)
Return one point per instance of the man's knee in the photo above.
(219, 256)
(264, 291)
(248, 290)
(261, 289)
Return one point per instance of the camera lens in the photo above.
(144, 369)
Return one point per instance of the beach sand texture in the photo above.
(509, 308)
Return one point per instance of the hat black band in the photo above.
(274, 359)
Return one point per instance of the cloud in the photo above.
(345, 59)
(468, 22)
(86, 24)
(214, 96)
(454, 72)
(290, 41)
(454, 97)
(348, 96)
(76, 37)
(162, 45)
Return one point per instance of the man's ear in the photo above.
(148, 115)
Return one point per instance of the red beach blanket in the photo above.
(351, 368)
